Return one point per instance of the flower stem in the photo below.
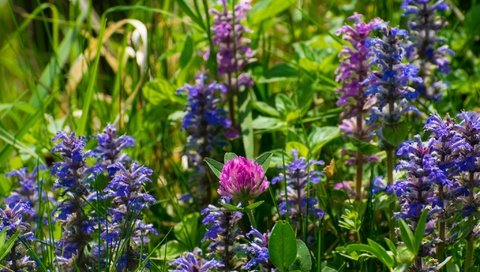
(359, 176)
(249, 213)
(390, 163)
(469, 254)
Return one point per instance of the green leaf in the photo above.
(303, 261)
(382, 254)
(284, 104)
(282, 245)
(246, 124)
(228, 156)
(396, 134)
(472, 21)
(187, 230)
(186, 8)
(407, 236)
(160, 92)
(215, 166)
(187, 52)
(171, 250)
(294, 145)
(254, 205)
(265, 108)
(264, 160)
(231, 207)
(420, 230)
(328, 269)
(321, 136)
(8, 244)
(268, 123)
(391, 246)
(281, 70)
(265, 9)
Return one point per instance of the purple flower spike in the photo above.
(241, 179)
(223, 233)
(205, 121)
(12, 220)
(110, 146)
(353, 70)
(390, 80)
(258, 251)
(233, 50)
(194, 262)
(426, 49)
(300, 202)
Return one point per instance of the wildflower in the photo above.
(389, 83)
(193, 262)
(73, 177)
(223, 233)
(241, 179)
(300, 202)
(109, 148)
(233, 50)
(27, 192)
(205, 121)
(126, 232)
(427, 50)
(257, 250)
(12, 221)
(353, 70)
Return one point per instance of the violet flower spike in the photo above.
(426, 49)
(389, 81)
(12, 221)
(205, 122)
(194, 262)
(233, 50)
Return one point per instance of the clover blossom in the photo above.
(73, 177)
(223, 233)
(194, 262)
(299, 201)
(12, 221)
(257, 250)
(427, 50)
(233, 50)
(205, 121)
(126, 231)
(242, 179)
(390, 77)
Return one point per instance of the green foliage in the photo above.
(282, 245)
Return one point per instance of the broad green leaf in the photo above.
(321, 136)
(301, 148)
(187, 52)
(391, 246)
(265, 108)
(282, 245)
(407, 236)
(264, 160)
(382, 254)
(268, 123)
(160, 92)
(284, 104)
(228, 156)
(281, 70)
(265, 9)
(472, 21)
(171, 250)
(187, 230)
(329, 269)
(215, 166)
(303, 261)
